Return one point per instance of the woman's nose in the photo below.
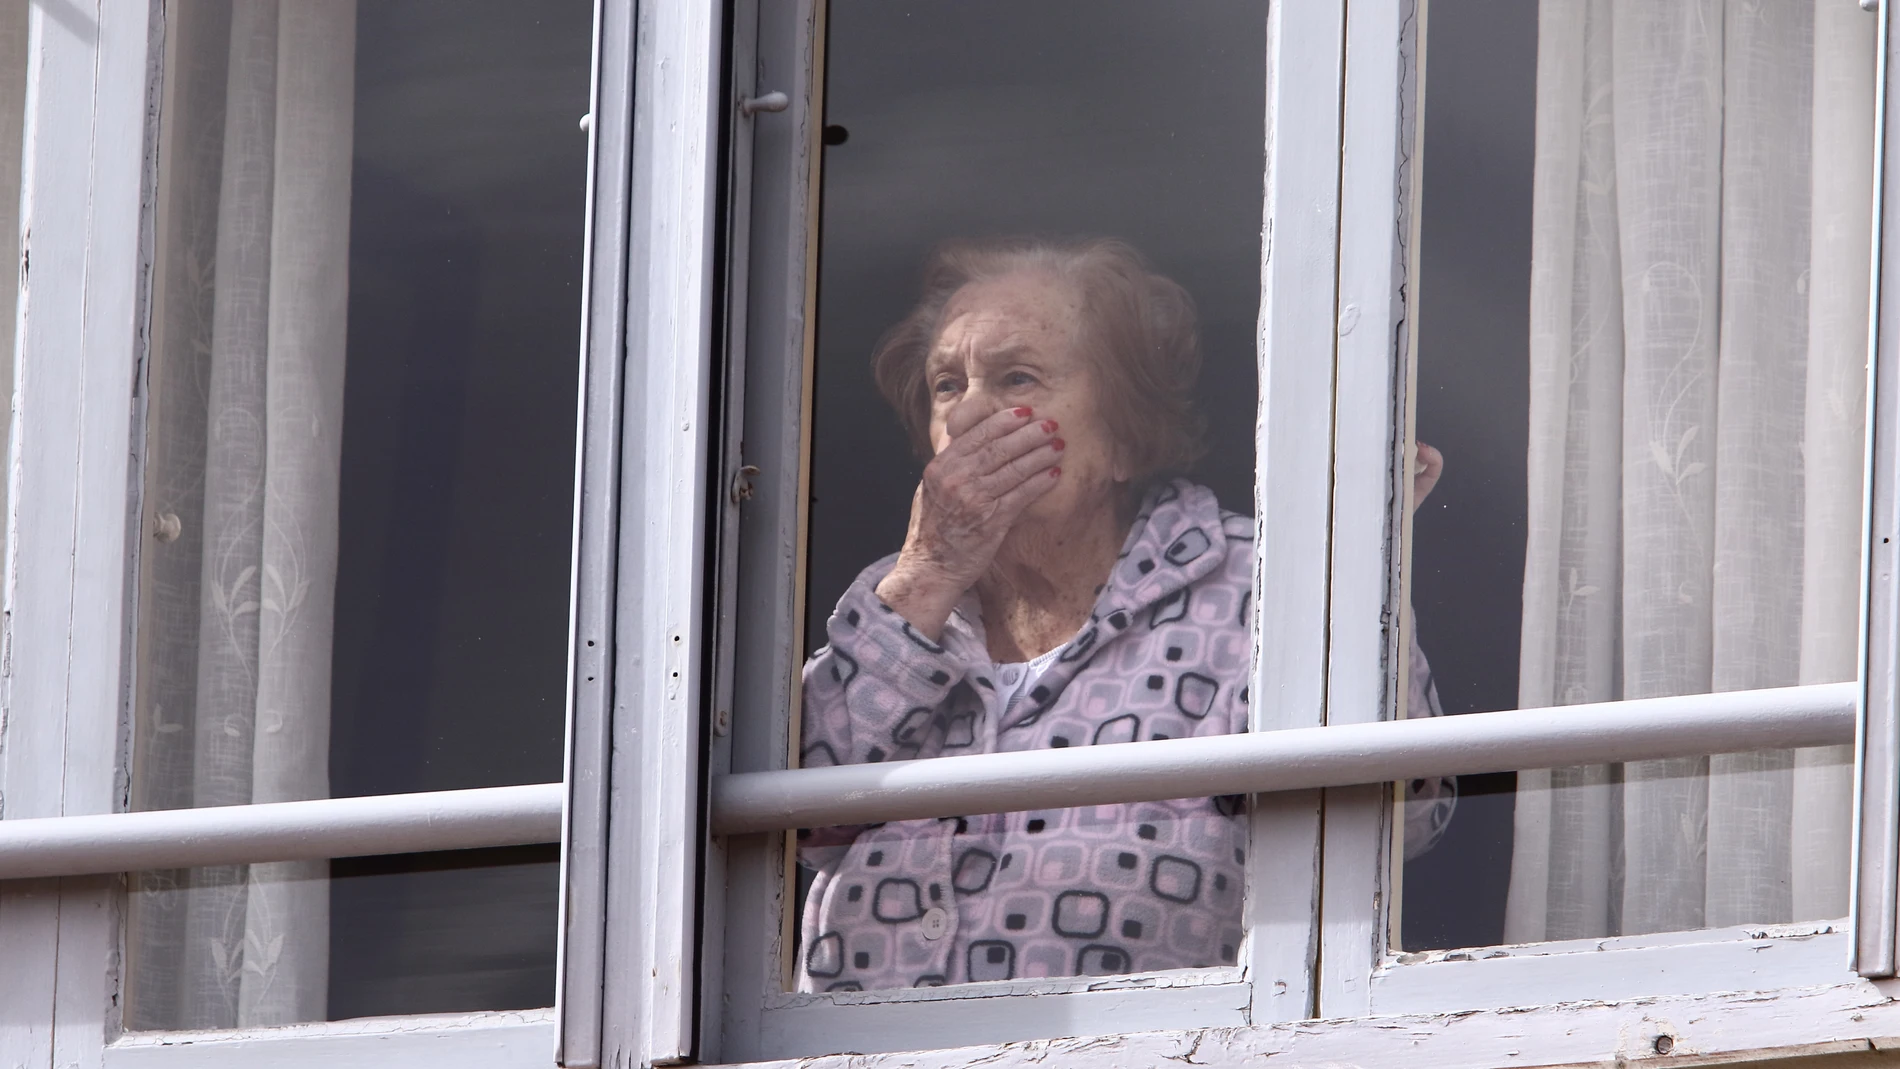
(975, 406)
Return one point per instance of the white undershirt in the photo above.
(1017, 679)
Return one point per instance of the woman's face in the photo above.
(1013, 341)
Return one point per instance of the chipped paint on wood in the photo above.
(1736, 1029)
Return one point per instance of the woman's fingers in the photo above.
(1425, 473)
(1001, 453)
(1024, 466)
(971, 481)
(980, 441)
(1012, 502)
(1000, 442)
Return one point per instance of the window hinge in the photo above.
(742, 483)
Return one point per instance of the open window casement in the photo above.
(1347, 271)
(779, 113)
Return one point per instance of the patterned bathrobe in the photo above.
(1098, 890)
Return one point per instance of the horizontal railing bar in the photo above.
(1297, 759)
(281, 831)
(1294, 759)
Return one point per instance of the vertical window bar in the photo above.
(582, 929)
(776, 157)
(1877, 859)
(91, 75)
(1368, 441)
(654, 810)
(1305, 55)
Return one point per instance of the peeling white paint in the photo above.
(1737, 1028)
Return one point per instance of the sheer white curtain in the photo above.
(1703, 191)
(244, 433)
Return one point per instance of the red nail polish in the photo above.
(1053, 472)
(1024, 413)
(1049, 426)
(1057, 445)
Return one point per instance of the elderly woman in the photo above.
(1060, 585)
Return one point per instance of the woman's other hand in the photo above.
(1426, 468)
(973, 490)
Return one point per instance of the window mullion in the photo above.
(1877, 764)
(583, 905)
(778, 47)
(654, 814)
(1292, 494)
(76, 401)
(1366, 598)
(70, 524)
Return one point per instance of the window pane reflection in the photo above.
(1645, 233)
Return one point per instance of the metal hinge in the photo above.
(742, 483)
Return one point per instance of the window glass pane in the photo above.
(359, 463)
(1040, 252)
(1641, 361)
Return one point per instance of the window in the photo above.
(1690, 366)
(1369, 197)
(1050, 158)
(1636, 580)
(817, 255)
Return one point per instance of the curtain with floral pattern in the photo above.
(1701, 242)
(238, 575)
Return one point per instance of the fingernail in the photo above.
(1053, 472)
(1024, 413)
(1049, 426)
(1057, 445)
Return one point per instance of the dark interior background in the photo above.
(467, 216)
(1473, 324)
(964, 118)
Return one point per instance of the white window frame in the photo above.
(1341, 135)
(95, 95)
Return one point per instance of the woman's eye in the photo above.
(945, 387)
(1016, 379)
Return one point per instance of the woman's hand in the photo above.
(972, 492)
(1425, 472)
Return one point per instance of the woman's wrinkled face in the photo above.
(1013, 341)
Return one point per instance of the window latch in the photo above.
(773, 101)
